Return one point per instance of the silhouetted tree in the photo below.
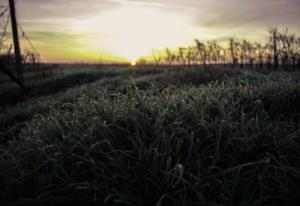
(233, 44)
(156, 57)
(260, 54)
(170, 57)
(202, 53)
(273, 38)
(298, 52)
(181, 56)
(282, 49)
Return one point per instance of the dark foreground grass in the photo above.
(231, 143)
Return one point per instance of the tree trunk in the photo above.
(275, 55)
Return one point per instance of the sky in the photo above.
(124, 30)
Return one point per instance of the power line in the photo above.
(27, 39)
(3, 36)
(4, 11)
(24, 34)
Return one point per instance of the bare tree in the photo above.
(170, 57)
(214, 51)
(156, 57)
(298, 52)
(259, 54)
(233, 46)
(282, 49)
(243, 53)
(289, 50)
(190, 55)
(202, 52)
(273, 38)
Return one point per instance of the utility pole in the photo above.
(14, 27)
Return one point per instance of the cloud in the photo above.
(55, 22)
(236, 13)
(210, 13)
(139, 3)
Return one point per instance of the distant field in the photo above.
(146, 135)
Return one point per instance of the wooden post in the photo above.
(14, 26)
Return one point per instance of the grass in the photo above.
(113, 80)
(60, 80)
(225, 139)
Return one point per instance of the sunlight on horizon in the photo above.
(134, 32)
(125, 30)
(133, 62)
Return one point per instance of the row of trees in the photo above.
(282, 50)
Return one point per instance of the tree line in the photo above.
(282, 50)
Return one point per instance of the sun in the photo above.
(132, 32)
(133, 62)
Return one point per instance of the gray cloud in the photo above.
(217, 12)
(219, 17)
(208, 12)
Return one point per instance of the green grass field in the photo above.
(121, 135)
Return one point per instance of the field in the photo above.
(150, 135)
